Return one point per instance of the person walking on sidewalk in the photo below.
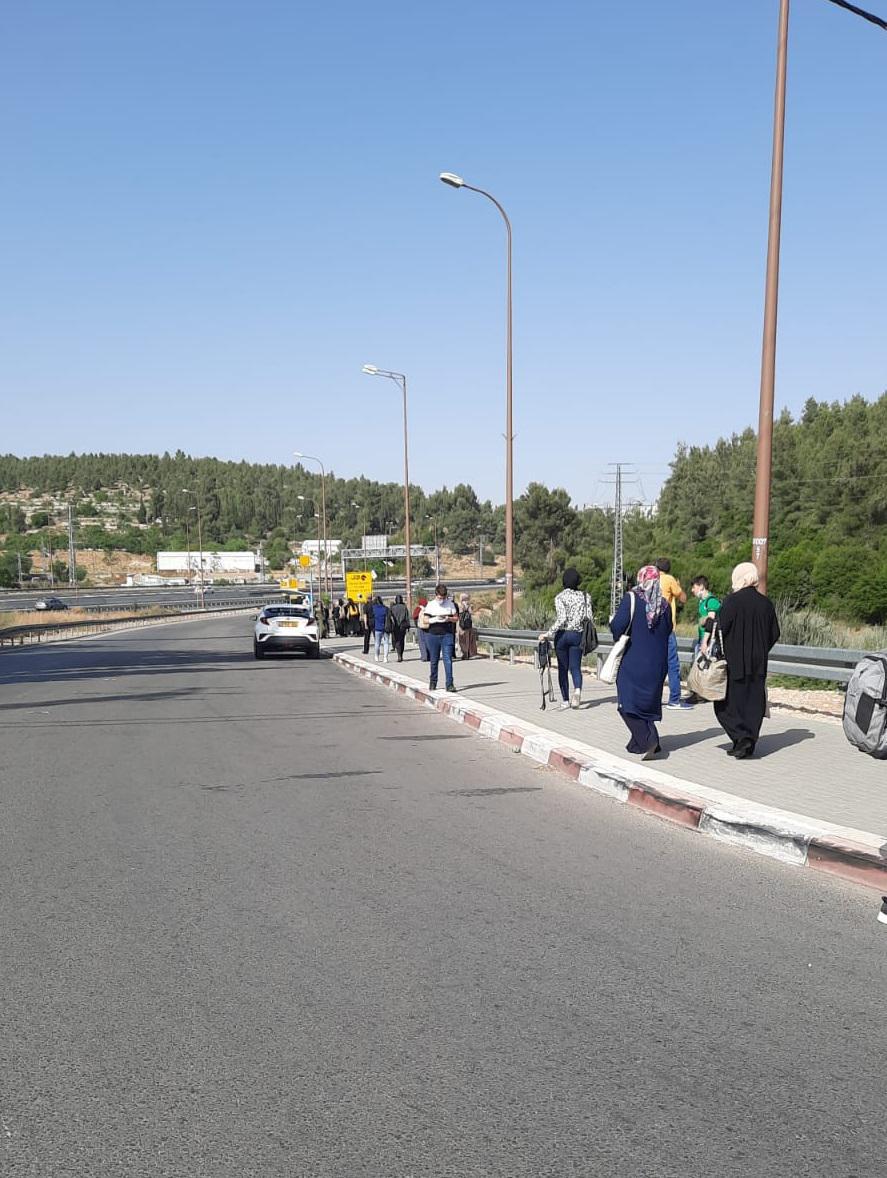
(749, 631)
(673, 594)
(420, 630)
(571, 608)
(644, 615)
(466, 632)
(442, 618)
(382, 627)
(400, 617)
(369, 624)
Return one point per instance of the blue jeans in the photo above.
(569, 661)
(674, 671)
(437, 645)
(383, 644)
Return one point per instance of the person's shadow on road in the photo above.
(774, 741)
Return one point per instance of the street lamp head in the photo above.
(370, 369)
(452, 179)
(298, 454)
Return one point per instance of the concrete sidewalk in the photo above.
(805, 786)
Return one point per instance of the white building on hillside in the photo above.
(213, 563)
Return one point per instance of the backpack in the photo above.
(465, 619)
(865, 706)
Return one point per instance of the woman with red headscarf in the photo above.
(645, 616)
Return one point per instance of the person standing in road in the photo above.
(749, 631)
(400, 618)
(369, 624)
(645, 616)
(674, 595)
(339, 618)
(571, 607)
(466, 633)
(442, 618)
(382, 626)
(420, 630)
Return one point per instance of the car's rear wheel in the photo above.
(257, 651)
(314, 651)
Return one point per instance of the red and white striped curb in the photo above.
(794, 839)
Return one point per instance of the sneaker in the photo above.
(682, 705)
(452, 687)
(576, 697)
(564, 706)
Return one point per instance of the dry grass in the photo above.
(39, 617)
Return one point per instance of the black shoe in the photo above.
(744, 750)
(731, 751)
(452, 687)
(651, 752)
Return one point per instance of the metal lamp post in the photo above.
(455, 181)
(326, 559)
(399, 378)
(185, 491)
(188, 539)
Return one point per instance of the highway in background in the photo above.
(159, 595)
(264, 918)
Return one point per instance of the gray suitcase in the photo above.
(865, 706)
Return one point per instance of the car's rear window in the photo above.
(286, 611)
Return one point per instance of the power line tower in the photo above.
(72, 551)
(618, 578)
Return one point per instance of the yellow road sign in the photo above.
(359, 586)
(304, 561)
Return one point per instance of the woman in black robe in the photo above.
(749, 630)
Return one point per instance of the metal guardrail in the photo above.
(37, 632)
(831, 664)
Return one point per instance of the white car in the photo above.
(286, 627)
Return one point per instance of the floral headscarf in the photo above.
(650, 591)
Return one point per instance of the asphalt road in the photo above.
(265, 919)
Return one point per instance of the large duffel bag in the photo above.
(865, 707)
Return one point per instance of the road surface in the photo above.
(265, 919)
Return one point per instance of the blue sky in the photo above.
(215, 211)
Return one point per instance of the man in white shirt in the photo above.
(441, 616)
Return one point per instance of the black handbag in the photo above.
(589, 640)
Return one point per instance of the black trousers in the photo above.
(398, 638)
(643, 733)
(741, 714)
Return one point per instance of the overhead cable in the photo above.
(869, 16)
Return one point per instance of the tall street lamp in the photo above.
(185, 491)
(359, 507)
(326, 558)
(399, 378)
(455, 181)
(188, 539)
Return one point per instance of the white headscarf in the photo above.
(744, 576)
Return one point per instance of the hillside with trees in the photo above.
(828, 531)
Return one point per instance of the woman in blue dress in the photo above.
(645, 616)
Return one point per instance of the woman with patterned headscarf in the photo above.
(645, 616)
(749, 630)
